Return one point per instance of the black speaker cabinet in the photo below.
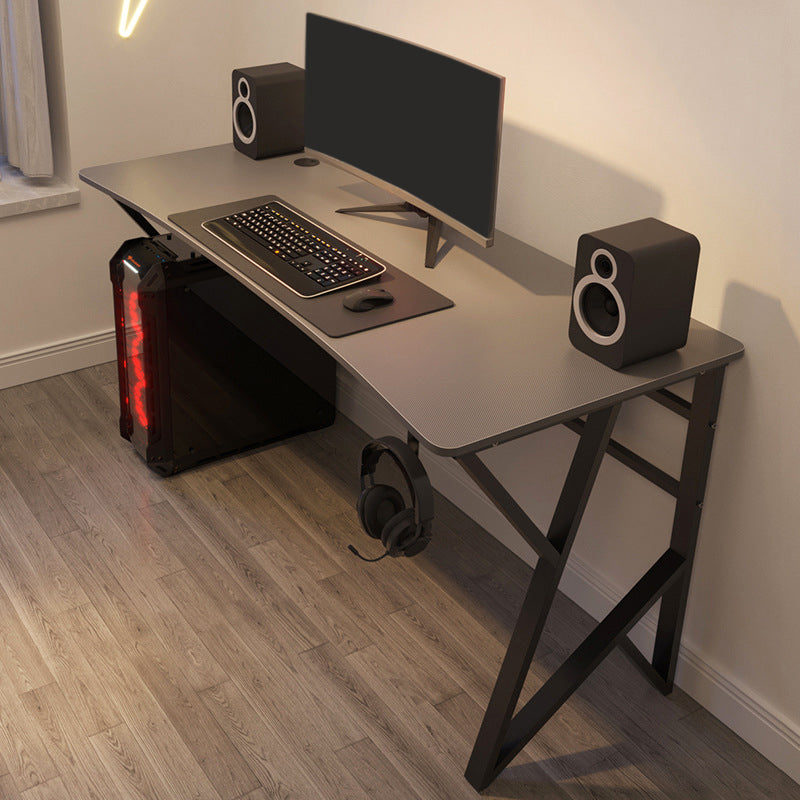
(268, 110)
(633, 290)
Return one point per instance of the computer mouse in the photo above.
(367, 298)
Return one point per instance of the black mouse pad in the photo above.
(411, 297)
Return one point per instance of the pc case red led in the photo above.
(206, 368)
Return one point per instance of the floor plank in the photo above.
(66, 742)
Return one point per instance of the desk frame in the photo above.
(156, 187)
(504, 733)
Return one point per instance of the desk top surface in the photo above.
(496, 366)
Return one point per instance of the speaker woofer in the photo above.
(244, 121)
(597, 305)
(600, 309)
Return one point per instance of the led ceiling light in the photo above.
(128, 21)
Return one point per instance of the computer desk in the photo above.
(496, 366)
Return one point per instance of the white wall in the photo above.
(614, 110)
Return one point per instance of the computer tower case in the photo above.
(206, 368)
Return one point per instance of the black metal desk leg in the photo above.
(138, 218)
(491, 752)
(686, 522)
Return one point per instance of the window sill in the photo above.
(21, 195)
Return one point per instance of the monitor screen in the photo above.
(421, 124)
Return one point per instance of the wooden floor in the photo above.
(209, 636)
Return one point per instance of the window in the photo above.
(29, 168)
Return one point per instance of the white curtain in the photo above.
(24, 117)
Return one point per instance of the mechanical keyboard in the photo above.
(297, 252)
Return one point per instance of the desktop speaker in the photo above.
(633, 290)
(383, 513)
(268, 110)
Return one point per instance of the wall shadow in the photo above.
(548, 195)
(751, 482)
(551, 193)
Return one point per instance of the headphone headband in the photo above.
(411, 467)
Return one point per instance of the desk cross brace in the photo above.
(505, 730)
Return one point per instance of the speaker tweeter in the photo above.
(267, 111)
(633, 291)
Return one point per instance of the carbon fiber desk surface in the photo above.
(496, 366)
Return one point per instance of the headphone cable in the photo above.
(370, 560)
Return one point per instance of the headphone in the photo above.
(381, 509)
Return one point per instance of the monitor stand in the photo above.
(434, 224)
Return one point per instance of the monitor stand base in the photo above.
(434, 224)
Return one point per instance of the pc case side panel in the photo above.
(289, 346)
(154, 407)
(125, 416)
(229, 392)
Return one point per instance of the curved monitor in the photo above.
(423, 125)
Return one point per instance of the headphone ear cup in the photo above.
(417, 545)
(376, 506)
(399, 532)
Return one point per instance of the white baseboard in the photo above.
(55, 359)
(765, 729)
